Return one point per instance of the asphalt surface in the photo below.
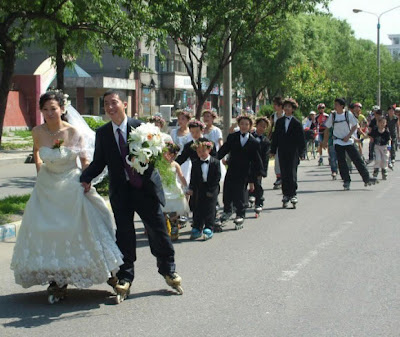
(328, 268)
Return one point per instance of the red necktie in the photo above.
(134, 178)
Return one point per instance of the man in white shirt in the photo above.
(344, 125)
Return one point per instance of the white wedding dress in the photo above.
(66, 236)
(175, 200)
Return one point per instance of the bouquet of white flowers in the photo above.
(145, 146)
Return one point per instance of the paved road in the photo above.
(17, 179)
(328, 268)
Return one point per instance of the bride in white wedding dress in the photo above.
(66, 236)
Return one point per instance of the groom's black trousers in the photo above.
(125, 203)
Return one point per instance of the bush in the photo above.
(13, 204)
(266, 110)
(93, 124)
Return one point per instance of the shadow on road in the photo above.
(23, 182)
(29, 310)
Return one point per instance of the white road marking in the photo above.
(287, 275)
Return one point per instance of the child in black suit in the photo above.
(288, 138)
(244, 161)
(256, 190)
(204, 189)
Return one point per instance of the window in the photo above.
(146, 60)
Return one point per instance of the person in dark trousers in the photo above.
(244, 161)
(288, 138)
(344, 126)
(204, 189)
(393, 126)
(130, 192)
(377, 112)
(256, 191)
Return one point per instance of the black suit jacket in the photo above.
(290, 143)
(107, 154)
(265, 146)
(243, 161)
(188, 152)
(213, 177)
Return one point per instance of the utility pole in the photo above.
(227, 85)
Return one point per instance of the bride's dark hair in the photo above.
(58, 96)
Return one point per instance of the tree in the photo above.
(202, 27)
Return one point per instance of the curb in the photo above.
(9, 231)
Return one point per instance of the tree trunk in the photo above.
(254, 101)
(8, 64)
(60, 62)
(200, 100)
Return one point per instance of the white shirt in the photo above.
(341, 128)
(276, 116)
(123, 127)
(244, 139)
(288, 119)
(204, 168)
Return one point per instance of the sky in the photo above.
(365, 25)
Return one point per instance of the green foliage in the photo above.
(102, 187)
(13, 204)
(23, 133)
(93, 124)
(168, 176)
(266, 110)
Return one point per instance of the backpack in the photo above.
(346, 116)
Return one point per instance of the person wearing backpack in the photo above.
(344, 125)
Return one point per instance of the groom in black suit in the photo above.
(130, 192)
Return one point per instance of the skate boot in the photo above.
(182, 221)
(175, 232)
(258, 210)
(334, 175)
(224, 217)
(375, 173)
(384, 174)
(217, 228)
(346, 185)
(252, 200)
(56, 293)
(320, 161)
(207, 234)
(123, 289)
(277, 184)
(195, 234)
(174, 281)
(372, 181)
(238, 222)
(112, 282)
(285, 201)
(390, 165)
(294, 201)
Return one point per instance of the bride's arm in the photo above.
(84, 162)
(36, 146)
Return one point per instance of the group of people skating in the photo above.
(67, 233)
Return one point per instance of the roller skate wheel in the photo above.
(119, 298)
(257, 215)
(179, 289)
(284, 205)
(51, 299)
(238, 226)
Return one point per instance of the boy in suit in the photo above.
(256, 190)
(288, 138)
(204, 189)
(244, 161)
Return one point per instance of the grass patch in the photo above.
(23, 133)
(13, 204)
(4, 219)
(16, 146)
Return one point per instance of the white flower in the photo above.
(145, 143)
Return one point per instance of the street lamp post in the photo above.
(378, 47)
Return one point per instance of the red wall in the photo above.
(17, 110)
(23, 102)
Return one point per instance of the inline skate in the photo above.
(122, 290)
(258, 209)
(285, 201)
(56, 293)
(174, 281)
(294, 201)
(277, 184)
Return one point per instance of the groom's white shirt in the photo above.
(123, 127)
